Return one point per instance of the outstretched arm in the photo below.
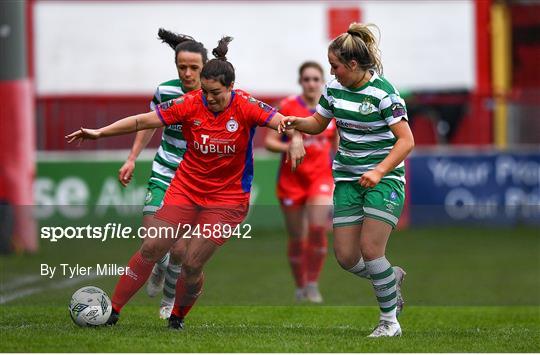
(314, 124)
(124, 126)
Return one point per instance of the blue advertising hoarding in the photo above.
(474, 187)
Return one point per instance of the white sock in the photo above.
(360, 269)
(163, 262)
(169, 288)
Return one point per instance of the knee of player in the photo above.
(345, 259)
(151, 252)
(317, 235)
(370, 251)
(191, 266)
(177, 257)
(178, 253)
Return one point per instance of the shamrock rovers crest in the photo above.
(365, 107)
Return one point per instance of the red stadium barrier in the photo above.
(58, 115)
(17, 158)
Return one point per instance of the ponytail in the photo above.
(360, 44)
(182, 43)
(219, 68)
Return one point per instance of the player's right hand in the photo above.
(82, 134)
(287, 122)
(125, 173)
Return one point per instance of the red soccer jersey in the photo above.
(219, 156)
(318, 147)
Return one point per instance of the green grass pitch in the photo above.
(467, 290)
(276, 329)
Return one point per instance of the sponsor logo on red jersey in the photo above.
(209, 145)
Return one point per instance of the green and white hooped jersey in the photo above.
(173, 144)
(363, 119)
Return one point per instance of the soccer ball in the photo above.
(90, 306)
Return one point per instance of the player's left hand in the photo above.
(371, 178)
(82, 134)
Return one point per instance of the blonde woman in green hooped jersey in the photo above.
(368, 169)
(190, 56)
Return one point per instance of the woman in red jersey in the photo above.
(305, 195)
(211, 187)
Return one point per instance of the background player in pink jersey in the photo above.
(305, 195)
(212, 185)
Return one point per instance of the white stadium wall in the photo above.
(97, 47)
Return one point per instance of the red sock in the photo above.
(316, 252)
(297, 260)
(186, 296)
(138, 272)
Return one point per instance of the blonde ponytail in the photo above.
(358, 43)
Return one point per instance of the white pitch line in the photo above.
(19, 281)
(22, 293)
(33, 290)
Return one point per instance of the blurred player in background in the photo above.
(190, 56)
(211, 186)
(305, 195)
(368, 169)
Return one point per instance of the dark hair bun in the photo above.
(221, 50)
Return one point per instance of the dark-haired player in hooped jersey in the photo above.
(212, 184)
(189, 57)
(305, 195)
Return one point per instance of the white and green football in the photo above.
(90, 306)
